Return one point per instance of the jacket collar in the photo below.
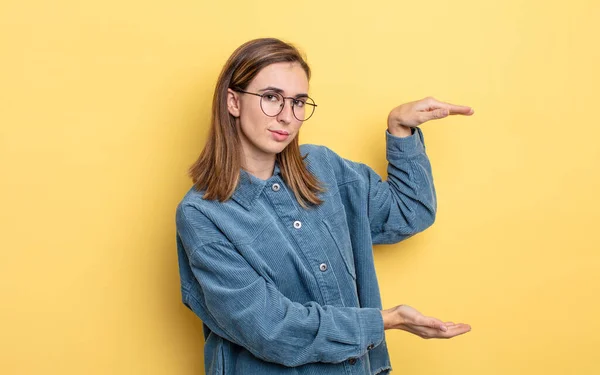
(250, 187)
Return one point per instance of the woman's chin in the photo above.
(277, 150)
(277, 147)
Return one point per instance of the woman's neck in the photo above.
(259, 167)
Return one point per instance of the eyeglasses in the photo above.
(272, 104)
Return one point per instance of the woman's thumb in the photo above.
(435, 114)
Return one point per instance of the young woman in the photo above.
(275, 239)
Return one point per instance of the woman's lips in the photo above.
(279, 135)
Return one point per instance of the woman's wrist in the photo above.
(400, 131)
(396, 125)
(390, 318)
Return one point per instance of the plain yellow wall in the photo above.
(104, 105)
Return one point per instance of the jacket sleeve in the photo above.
(403, 205)
(238, 304)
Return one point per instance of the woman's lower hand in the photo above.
(408, 319)
(413, 114)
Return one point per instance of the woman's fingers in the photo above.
(435, 328)
(452, 331)
(434, 114)
(432, 333)
(418, 112)
(456, 330)
(439, 109)
(429, 327)
(461, 110)
(431, 322)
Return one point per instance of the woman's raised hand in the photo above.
(410, 115)
(408, 319)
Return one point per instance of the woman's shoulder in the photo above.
(321, 159)
(193, 211)
(192, 197)
(317, 154)
(309, 148)
(193, 202)
(316, 158)
(320, 152)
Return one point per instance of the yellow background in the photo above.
(104, 105)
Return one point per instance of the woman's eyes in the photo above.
(275, 98)
(299, 102)
(272, 97)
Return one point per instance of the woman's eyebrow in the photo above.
(272, 88)
(280, 91)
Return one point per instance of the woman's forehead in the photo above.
(287, 76)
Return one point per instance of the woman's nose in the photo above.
(286, 115)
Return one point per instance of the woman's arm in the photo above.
(404, 204)
(245, 308)
(401, 120)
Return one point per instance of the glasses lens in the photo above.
(271, 103)
(303, 108)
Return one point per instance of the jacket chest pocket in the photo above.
(338, 229)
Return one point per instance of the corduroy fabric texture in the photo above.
(287, 290)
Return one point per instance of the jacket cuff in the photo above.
(408, 146)
(371, 325)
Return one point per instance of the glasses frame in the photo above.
(283, 106)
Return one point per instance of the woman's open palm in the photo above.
(409, 319)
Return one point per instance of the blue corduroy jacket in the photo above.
(282, 289)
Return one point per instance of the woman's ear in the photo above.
(233, 103)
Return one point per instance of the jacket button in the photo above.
(352, 361)
(370, 347)
(276, 187)
(323, 267)
(297, 224)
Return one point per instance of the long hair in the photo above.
(217, 170)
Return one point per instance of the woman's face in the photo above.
(262, 136)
